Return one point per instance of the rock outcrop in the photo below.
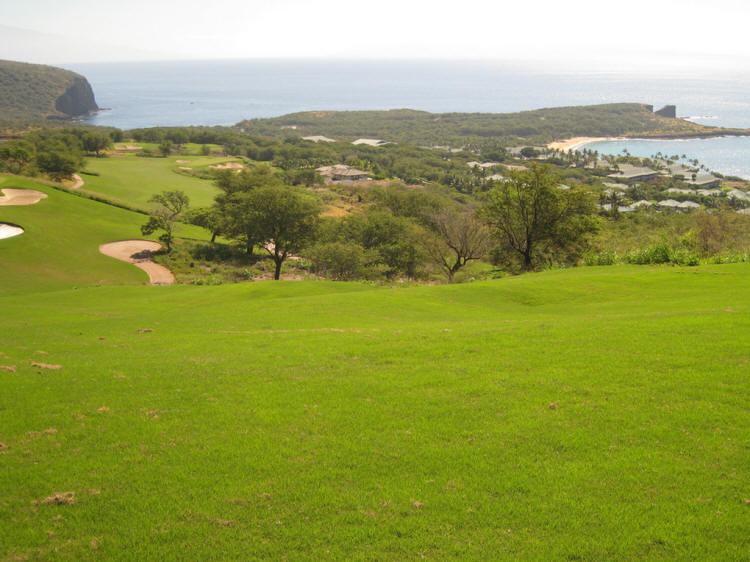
(77, 100)
(668, 111)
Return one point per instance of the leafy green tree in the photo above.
(338, 260)
(165, 148)
(169, 207)
(285, 220)
(96, 142)
(16, 156)
(235, 207)
(206, 217)
(391, 242)
(178, 136)
(57, 164)
(532, 217)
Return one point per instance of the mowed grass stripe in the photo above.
(594, 413)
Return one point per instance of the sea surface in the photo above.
(226, 92)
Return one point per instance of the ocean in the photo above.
(226, 92)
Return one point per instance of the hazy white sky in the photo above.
(636, 30)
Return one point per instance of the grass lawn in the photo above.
(60, 244)
(587, 414)
(134, 180)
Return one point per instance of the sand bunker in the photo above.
(139, 252)
(9, 230)
(228, 166)
(21, 196)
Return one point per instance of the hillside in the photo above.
(585, 414)
(421, 127)
(34, 91)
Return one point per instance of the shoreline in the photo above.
(574, 143)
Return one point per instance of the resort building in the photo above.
(318, 138)
(628, 172)
(341, 173)
(371, 142)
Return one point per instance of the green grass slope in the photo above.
(588, 414)
(60, 245)
(134, 180)
(421, 127)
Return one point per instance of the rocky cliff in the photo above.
(78, 99)
(34, 92)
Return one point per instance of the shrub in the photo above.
(337, 260)
(607, 257)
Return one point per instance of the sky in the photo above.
(634, 32)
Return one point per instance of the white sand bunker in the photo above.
(139, 252)
(21, 196)
(228, 166)
(9, 230)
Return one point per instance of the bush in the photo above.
(337, 260)
(607, 257)
(662, 253)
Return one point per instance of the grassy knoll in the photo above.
(60, 245)
(133, 179)
(588, 414)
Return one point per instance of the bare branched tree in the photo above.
(456, 238)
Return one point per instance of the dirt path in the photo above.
(77, 182)
(20, 196)
(138, 252)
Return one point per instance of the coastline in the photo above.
(574, 143)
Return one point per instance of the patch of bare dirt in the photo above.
(46, 366)
(77, 182)
(61, 498)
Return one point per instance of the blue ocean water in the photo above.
(226, 92)
(726, 155)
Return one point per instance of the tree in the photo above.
(58, 165)
(16, 156)
(96, 142)
(285, 220)
(533, 217)
(208, 218)
(457, 237)
(165, 148)
(170, 205)
(235, 206)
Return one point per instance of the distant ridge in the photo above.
(457, 129)
(32, 92)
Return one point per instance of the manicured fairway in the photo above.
(59, 247)
(589, 414)
(131, 179)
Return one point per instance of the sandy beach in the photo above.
(577, 142)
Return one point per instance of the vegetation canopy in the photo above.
(535, 218)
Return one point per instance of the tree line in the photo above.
(396, 231)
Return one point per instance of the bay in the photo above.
(179, 93)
